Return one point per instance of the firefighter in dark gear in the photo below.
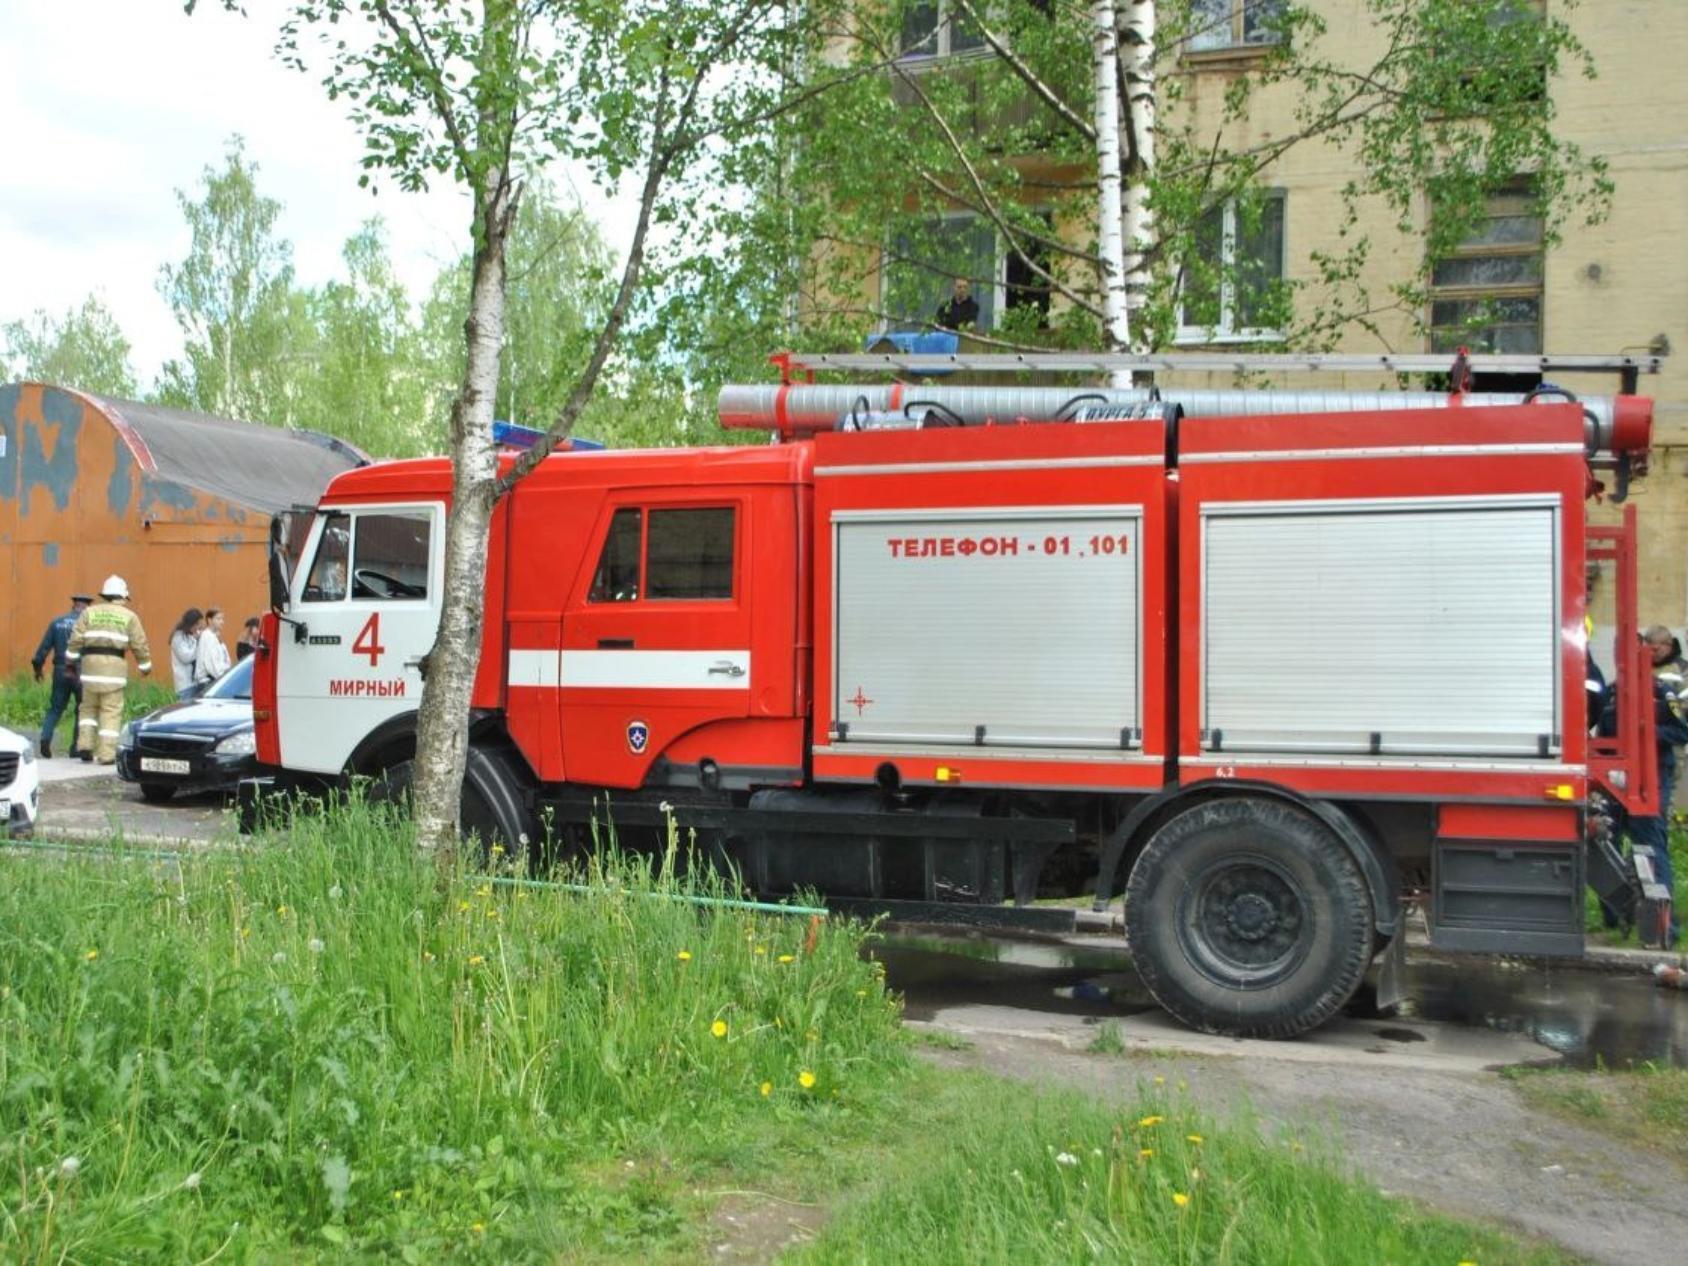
(105, 634)
(55, 643)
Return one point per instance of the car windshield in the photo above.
(234, 684)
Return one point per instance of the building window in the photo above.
(938, 28)
(1217, 24)
(922, 261)
(1232, 284)
(1487, 294)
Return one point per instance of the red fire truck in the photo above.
(1276, 665)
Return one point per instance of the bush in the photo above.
(329, 1040)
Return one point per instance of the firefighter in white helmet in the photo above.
(105, 634)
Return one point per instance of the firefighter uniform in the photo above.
(105, 634)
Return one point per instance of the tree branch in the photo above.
(420, 48)
(1028, 76)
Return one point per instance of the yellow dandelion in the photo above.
(427, 956)
(245, 932)
(398, 1195)
(493, 915)
(761, 949)
(767, 1089)
(1194, 1138)
(91, 955)
(1143, 1153)
(719, 1028)
(498, 850)
(788, 958)
(1180, 1199)
(861, 993)
(685, 956)
(811, 1036)
(1160, 1081)
(462, 907)
(475, 960)
(1468, 1263)
(281, 911)
(1149, 1122)
(479, 1228)
(806, 1079)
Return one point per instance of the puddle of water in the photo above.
(1587, 1018)
(1590, 1018)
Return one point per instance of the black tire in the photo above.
(157, 792)
(494, 807)
(1250, 918)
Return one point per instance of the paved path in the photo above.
(89, 802)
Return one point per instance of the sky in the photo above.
(107, 107)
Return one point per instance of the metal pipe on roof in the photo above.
(1612, 424)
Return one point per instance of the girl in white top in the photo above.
(212, 659)
(184, 650)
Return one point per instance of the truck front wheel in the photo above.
(495, 807)
(1250, 918)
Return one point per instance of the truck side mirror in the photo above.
(279, 594)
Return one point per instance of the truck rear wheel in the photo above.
(1250, 918)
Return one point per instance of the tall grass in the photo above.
(327, 1041)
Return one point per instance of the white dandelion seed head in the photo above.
(69, 1166)
(278, 958)
(336, 892)
(191, 1182)
(315, 945)
(1065, 1158)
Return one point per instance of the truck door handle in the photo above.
(727, 669)
(615, 643)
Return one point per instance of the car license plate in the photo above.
(158, 765)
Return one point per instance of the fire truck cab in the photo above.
(1274, 676)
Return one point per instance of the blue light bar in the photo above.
(511, 435)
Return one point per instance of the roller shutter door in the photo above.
(1000, 628)
(1418, 629)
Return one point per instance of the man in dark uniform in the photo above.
(962, 310)
(67, 684)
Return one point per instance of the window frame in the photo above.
(1515, 200)
(430, 510)
(1237, 45)
(942, 51)
(888, 259)
(1225, 331)
(645, 507)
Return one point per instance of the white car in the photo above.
(20, 784)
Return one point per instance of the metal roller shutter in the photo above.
(1421, 628)
(1013, 628)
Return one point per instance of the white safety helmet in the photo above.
(114, 587)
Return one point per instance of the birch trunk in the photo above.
(442, 727)
(1110, 243)
(1137, 72)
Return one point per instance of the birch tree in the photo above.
(647, 93)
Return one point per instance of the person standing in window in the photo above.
(962, 310)
(211, 660)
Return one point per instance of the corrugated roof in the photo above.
(265, 467)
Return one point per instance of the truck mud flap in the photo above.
(1508, 897)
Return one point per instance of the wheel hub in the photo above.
(1251, 917)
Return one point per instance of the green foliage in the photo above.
(84, 348)
(1033, 1176)
(243, 324)
(1647, 1105)
(1453, 106)
(324, 1042)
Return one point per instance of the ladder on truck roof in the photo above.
(1617, 428)
(1629, 368)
